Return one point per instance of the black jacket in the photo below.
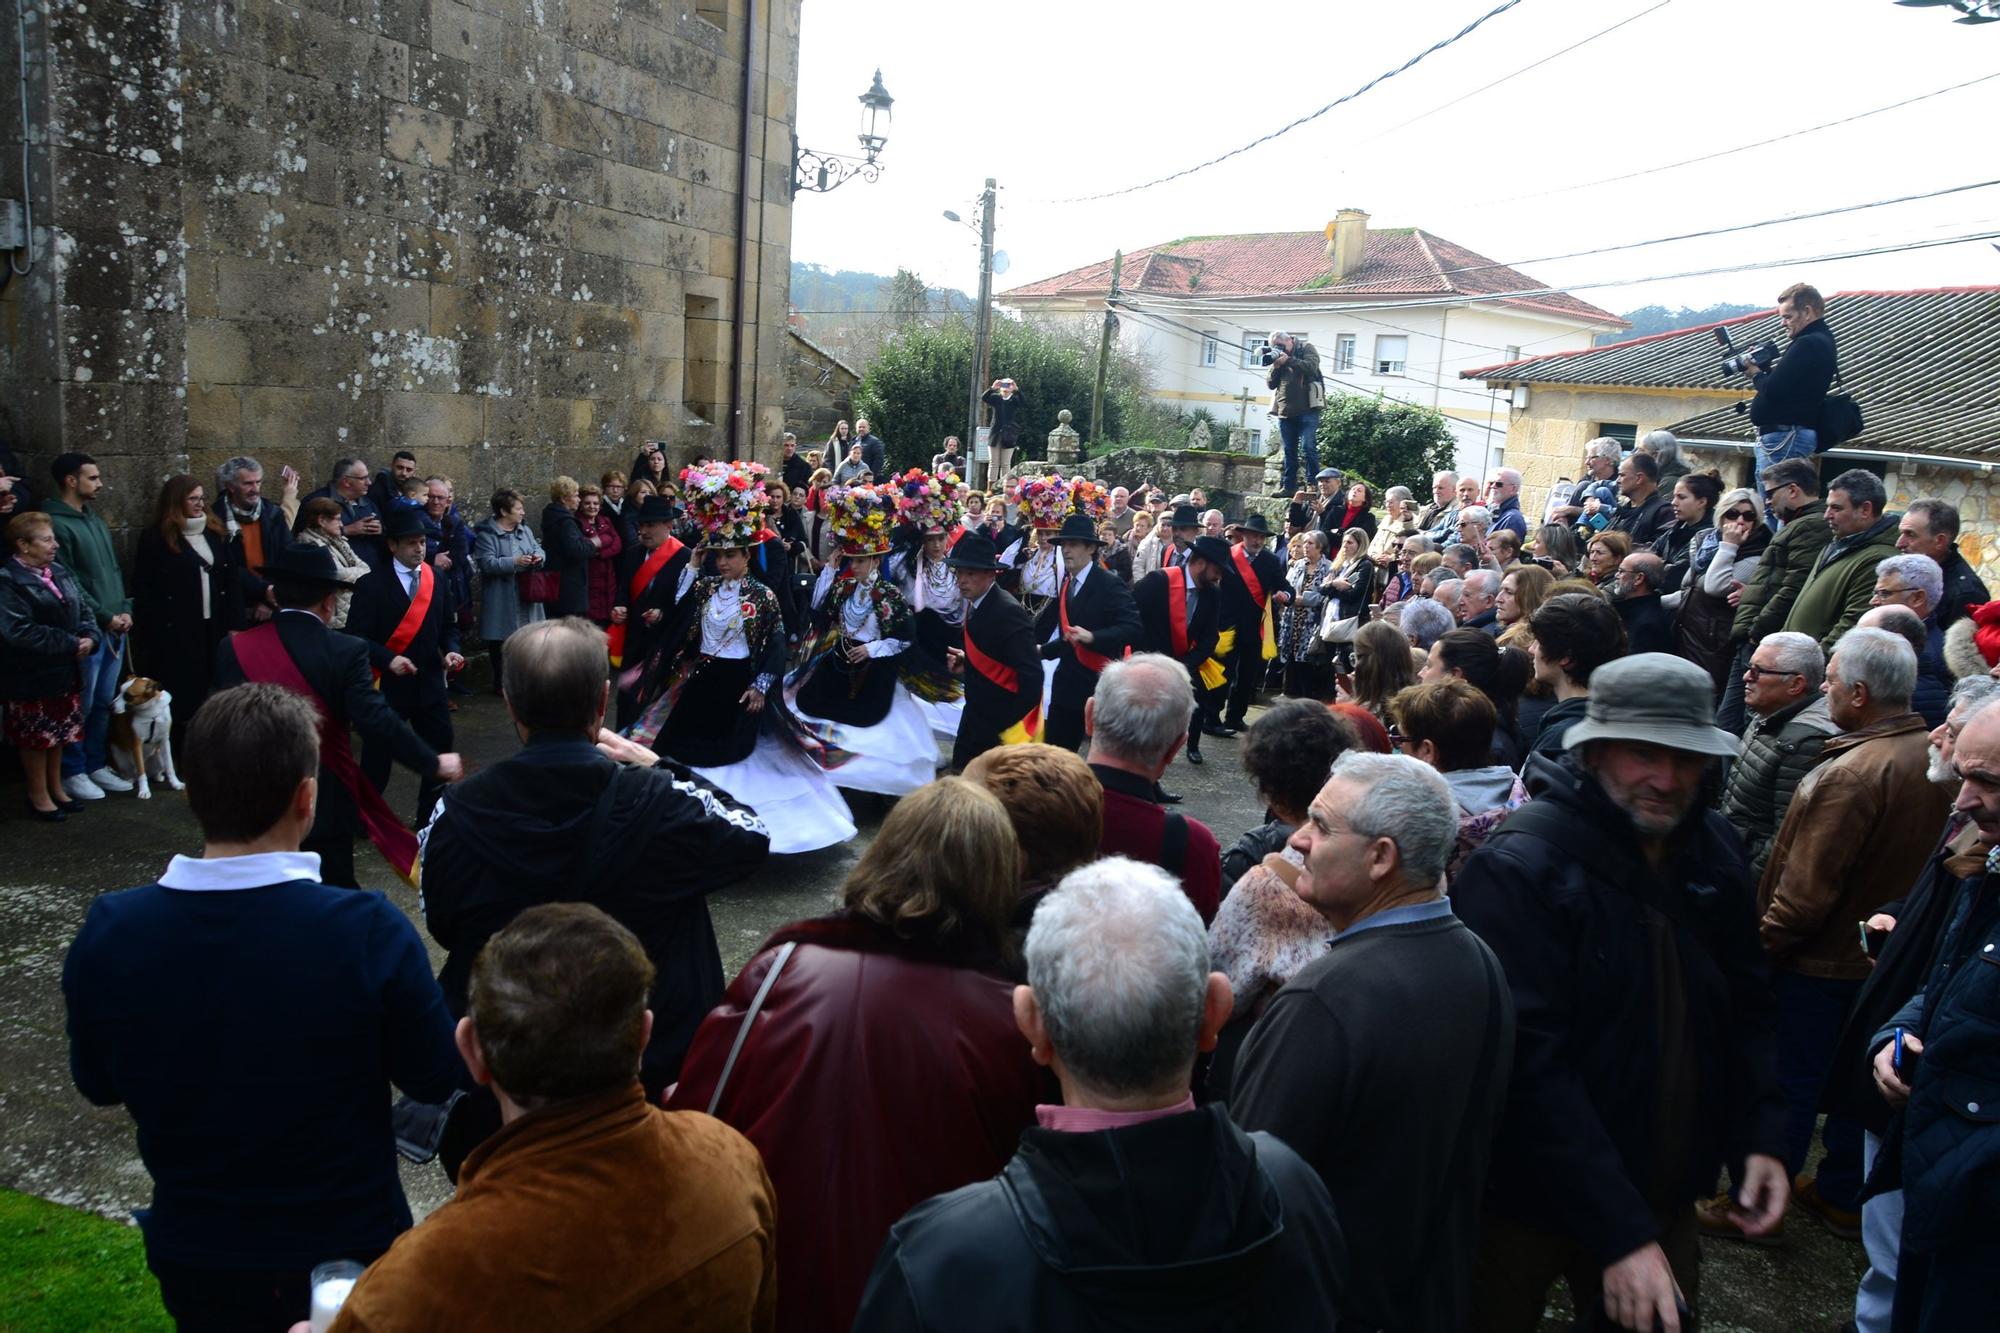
(276, 536)
(1648, 627)
(796, 472)
(1645, 523)
(336, 666)
(569, 554)
(662, 594)
(378, 607)
(1555, 724)
(1239, 609)
(1963, 588)
(1149, 595)
(1793, 391)
(1008, 414)
(171, 641)
(1104, 607)
(875, 453)
(1005, 632)
(1901, 969)
(1563, 895)
(559, 822)
(1185, 1222)
(1676, 547)
(38, 632)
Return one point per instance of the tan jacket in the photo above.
(604, 1214)
(1858, 830)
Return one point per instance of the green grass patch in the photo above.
(61, 1269)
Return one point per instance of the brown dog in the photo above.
(138, 744)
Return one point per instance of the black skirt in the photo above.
(709, 726)
(856, 694)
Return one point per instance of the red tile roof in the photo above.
(1396, 261)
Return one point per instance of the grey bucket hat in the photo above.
(1657, 699)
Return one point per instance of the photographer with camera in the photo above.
(1298, 392)
(1791, 387)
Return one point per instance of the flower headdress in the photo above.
(1043, 501)
(728, 503)
(861, 516)
(1088, 498)
(925, 500)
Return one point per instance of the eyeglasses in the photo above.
(1396, 737)
(1750, 514)
(1885, 594)
(1756, 672)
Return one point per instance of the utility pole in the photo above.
(1104, 349)
(983, 329)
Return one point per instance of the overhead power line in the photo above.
(1309, 117)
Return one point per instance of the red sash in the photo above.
(1249, 575)
(1093, 661)
(1007, 679)
(1177, 615)
(951, 538)
(406, 629)
(646, 573)
(264, 660)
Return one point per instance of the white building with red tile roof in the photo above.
(1394, 311)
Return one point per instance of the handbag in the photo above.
(1839, 418)
(1336, 628)
(539, 587)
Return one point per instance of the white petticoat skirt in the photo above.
(892, 758)
(794, 797)
(943, 717)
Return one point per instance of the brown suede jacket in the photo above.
(600, 1214)
(1858, 830)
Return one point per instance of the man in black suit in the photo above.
(404, 613)
(1256, 579)
(874, 450)
(1089, 624)
(644, 609)
(1182, 528)
(1180, 614)
(1002, 669)
(333, 669)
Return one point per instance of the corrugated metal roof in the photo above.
(1396, 261)
(1924, 365)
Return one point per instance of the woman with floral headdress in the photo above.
(850, 707)
(703, 694)
(929, 507)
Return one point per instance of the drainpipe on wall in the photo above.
(740, 362)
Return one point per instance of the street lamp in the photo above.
(821, 172)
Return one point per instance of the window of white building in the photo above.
(1391, 352)
(1208, 347)
(1253, 352)
(1344, 352)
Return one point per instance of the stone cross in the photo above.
(1243, 400)
(1063, 440)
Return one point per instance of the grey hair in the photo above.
(1460, 551)
(1919, 571)
(1396, 493)
(1938, 515)
(1448, 593)
(1437, 477)
(226, 474)
(1973, 693)
(1141, 707)
(1425, 621)
(1484, 582)
(1118, 961)
(1424, 544)
(1863, 488)
(1664, 446)
(1406, 801)
(1883, 662)
(1798, 652)
(340, 467)
(1318, 537)
(1278, 335)
(1216, 512)
(1479, 514)
(1603, 447)
(1510, 475)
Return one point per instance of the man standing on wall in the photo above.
(1298, 393)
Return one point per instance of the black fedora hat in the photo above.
(401, 521)
(1185, 516)
(1212, 549)
(1079, 528)
(302, 564)
(1256, 522)
(656, 509)
(974, 551)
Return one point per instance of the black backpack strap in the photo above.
(1174, 844)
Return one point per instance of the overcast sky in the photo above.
(1057, 98)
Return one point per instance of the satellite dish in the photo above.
(1000, 261)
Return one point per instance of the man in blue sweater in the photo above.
(252, 1020)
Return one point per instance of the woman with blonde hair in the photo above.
(883, 1065)
(567, 548)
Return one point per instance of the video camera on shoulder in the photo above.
(1738, 362)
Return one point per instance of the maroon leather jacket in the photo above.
(880, 1072)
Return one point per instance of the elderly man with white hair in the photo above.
(1854, 837)
(1439, 518)
(1425, 621)
(1598, 484)
(1474, 522)
(1385, 1061)
(1789, 726)
(1917, 583)
(1074, 1233)
(1477, 591)
(1503, 497)
(1137, 721)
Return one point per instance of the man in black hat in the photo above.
(1255, 586)
(1180, 610)
(1183, 528)
(997, 657)
(646, 603)
(295, 649)
(1090, 623)
(404, 612)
